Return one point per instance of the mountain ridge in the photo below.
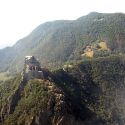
(57, 42)
(76, 76)
(91, 92)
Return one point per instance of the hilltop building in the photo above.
(32, 68)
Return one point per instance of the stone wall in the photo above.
(32, 68)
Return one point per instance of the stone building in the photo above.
(32, 68)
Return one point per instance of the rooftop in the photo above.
(28, 57)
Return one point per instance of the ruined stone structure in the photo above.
(32, 68)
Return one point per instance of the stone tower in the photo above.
(32, 68)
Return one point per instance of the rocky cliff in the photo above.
(32, 70)
(89, 93)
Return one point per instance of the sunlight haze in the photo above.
(19, 17)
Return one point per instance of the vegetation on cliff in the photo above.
(91, 92)
(86, 83)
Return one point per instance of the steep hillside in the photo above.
(60, 41)
(90, 93)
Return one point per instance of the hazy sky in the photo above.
(19, 17)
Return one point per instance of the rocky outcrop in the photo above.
(31, 70)
(90, 93)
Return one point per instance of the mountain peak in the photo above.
(94, 13)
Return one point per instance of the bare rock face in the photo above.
(32, 68)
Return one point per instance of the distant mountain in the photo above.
(57, 42)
